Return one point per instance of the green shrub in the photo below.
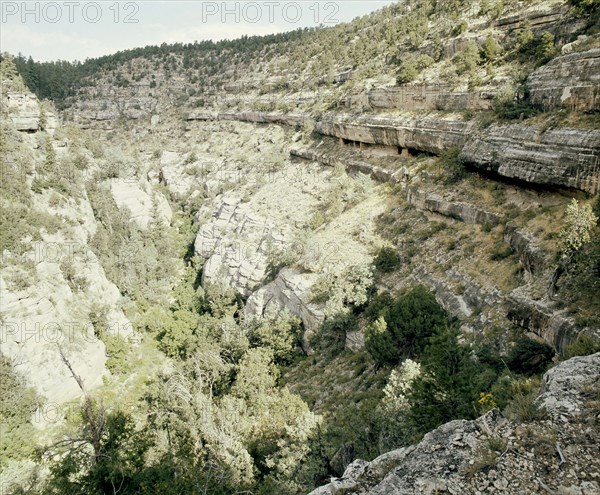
(462, 27)
(586, 7)
(379, 305)
(117, 351)
(387, 260)
(409, 323)
(18, 404)
(331, 337)
(514, 109)
(411, 66)
(453, 167)
(529, 357)
(468, 59)
(279, 331)
(583, 345)
(489, 48)
(451, 383)
(537, 49)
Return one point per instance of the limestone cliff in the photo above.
(571, 81)
(556, 157)
(53, 283)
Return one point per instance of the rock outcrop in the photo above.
(26, 114)
(235, 243)
(378, 173)
(452, 458)
(103, 106)
(429, 97)
(288, 119)
(570, 81)
(557, 157)
(564, 388)
(431, 133)
(458, 210)
(292, 290)
(51, 314)
(532, 258)
(144, 207)
(542, 319)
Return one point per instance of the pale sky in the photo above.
(79, 29)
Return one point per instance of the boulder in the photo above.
(564, 387)
(292, 290)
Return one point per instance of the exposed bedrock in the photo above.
(437, 463)
(571, 81)
(290, 119)
(378, 173)
(557, 157)
(291, 290)
(26, 114)
(432, 134)
(234, 243)
(458, 210)
(542, 319)
(532, 258)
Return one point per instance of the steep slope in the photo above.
(548, 455)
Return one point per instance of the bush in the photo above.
(18, 403)
(117, 350)
(332, 334)
(453, 166)
(468, 59)
(279, 331)
(411, 66)
(586, 6)
(409, 323)
(387, 260)
(513, 107)
(451, 383)
(538, 49)
(529, 357)
(583, 345)
(523, 407)
(489, 49)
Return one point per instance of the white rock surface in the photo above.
(562, 391)
(290, 289)
(130, 194)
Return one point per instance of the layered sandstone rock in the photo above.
(571, 81)
(556, 157)
(431, 133)
(458, 210)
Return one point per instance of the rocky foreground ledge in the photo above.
(557, 455)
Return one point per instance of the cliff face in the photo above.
(571, 81)
(52, 284)
(556, 157)
(430, 133)
(26, 114)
